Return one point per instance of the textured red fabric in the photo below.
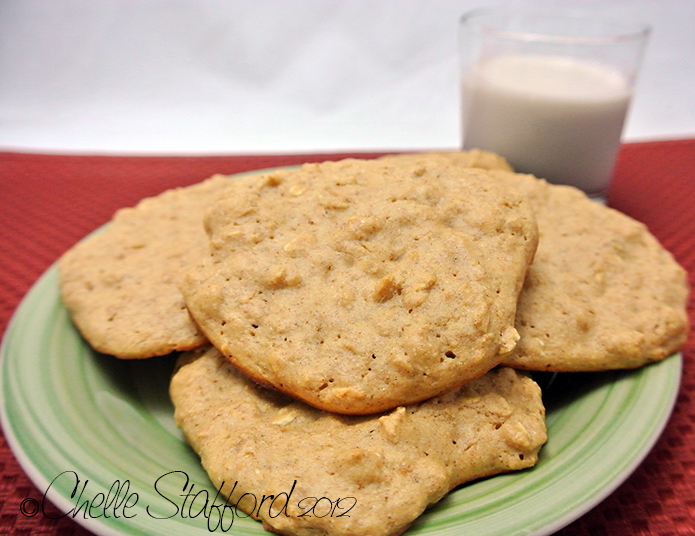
(49, 202)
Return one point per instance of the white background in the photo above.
(276, 76)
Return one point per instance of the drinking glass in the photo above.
(549, 91)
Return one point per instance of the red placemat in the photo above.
(49, 202)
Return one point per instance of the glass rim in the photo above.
(614, 30)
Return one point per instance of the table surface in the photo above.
(49, 202)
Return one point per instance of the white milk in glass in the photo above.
(558, 118)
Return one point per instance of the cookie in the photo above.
(473, 158)
(602, 292)
(121, 285)
(349, 474)
(361, 285)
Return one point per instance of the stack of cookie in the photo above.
(355, 331)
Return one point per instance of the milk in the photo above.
(558, 118)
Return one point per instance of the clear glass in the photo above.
(549, 91)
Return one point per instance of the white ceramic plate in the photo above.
(69, 413)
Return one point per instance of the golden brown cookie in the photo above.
(601, 294)
(350, 475)
(121, 285)
(361, 285)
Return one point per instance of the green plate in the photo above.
(91, 430)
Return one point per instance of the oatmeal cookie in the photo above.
(602, 292)
(121, 285)
(350, 474)
(361, 285)
(472, 158)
